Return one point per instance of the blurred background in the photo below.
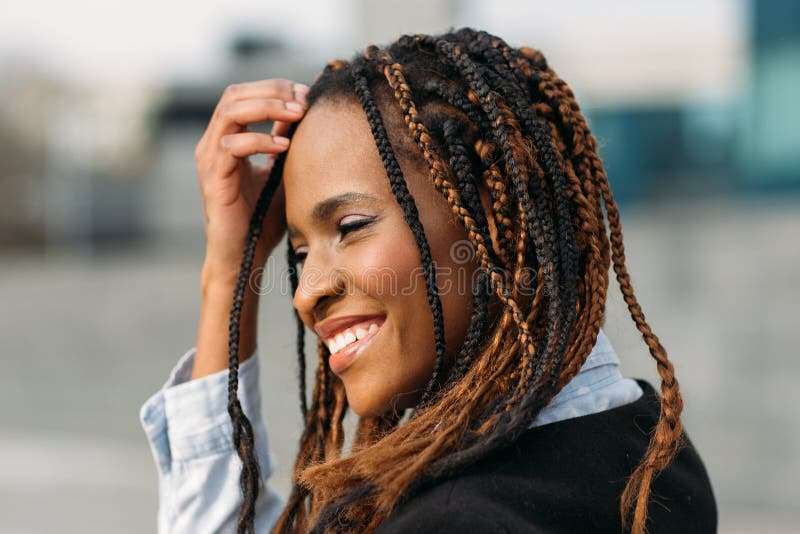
(695, 104)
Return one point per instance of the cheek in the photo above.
(389, 273)
(456, 270)
(388, 268)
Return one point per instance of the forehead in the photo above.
(331, 153)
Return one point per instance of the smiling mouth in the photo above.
(353, 336)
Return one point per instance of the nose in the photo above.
(319, 283)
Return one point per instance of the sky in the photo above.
(152, 39)
(608, 45)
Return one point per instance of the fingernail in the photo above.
(301, 88)
(280, 141)
(294, 106)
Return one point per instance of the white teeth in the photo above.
(345, 338)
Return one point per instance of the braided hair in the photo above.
(478, 113)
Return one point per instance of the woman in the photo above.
(405, 158)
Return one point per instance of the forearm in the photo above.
(189, 429)
(217, 288)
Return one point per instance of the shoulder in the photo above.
(451, 507)
(566, 476)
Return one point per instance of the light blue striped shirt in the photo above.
(189, 432)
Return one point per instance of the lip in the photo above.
(343, 359)
(330, 327)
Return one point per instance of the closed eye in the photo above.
(345, 228)
(353, 224)
(296, 257)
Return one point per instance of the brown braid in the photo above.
(478, 114)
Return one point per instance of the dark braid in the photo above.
(461, 165)
(452, 96)
(530, 64)
(243, 440)
(535, 129)
(410, 213)
(301, 331)
(492, 48)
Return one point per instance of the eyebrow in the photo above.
(325, 208)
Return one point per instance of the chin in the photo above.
(369, 405)
(374, 404)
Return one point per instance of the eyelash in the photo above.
(343, 229)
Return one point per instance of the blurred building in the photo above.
(72, 161)
(743, 141)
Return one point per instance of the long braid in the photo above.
(502, 60)
(243, 439)
(410, 213)
(590, 223)
(532, 204)
(459, 162)
(313, 445)
(495, 50)
(486, 152)
(666, 439)
(410, 118)
(301, 331)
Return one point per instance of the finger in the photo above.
(301, 93)
(235, 115)
(281, 128)
(244, 144)
(284, 90)
(273, 88)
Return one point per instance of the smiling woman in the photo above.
(385, 172)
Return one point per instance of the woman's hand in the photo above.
(230, 183)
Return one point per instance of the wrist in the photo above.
(216, 277)
(218, 282)
(225, 273)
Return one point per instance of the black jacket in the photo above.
(567, 477)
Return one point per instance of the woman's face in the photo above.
(361, 285)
